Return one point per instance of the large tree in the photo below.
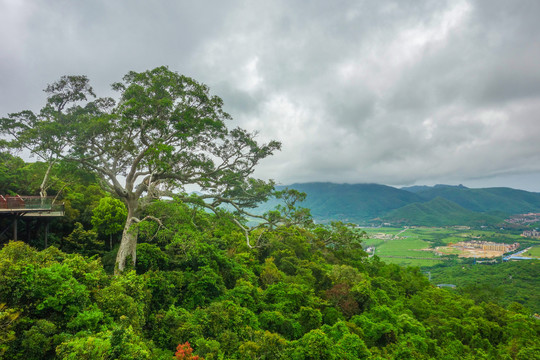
(39, 133)
(165, 131)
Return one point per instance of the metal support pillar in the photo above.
(46, 231)
(15, 228)
(28, 230)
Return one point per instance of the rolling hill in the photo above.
(426, 205)
(439, 212)
(507, 200)
(356, 203)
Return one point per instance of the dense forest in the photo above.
(135, 271)
(503, 283)
(300, 293)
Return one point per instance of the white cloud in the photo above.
(389, 92)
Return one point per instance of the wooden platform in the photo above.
(33, 212)
(15, 207)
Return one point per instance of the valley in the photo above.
(428, 246)
(453, 255)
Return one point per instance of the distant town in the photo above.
(524, 219)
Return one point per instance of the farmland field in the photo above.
(497, 282)
(414, 246)
(533, 252)
(402, 246)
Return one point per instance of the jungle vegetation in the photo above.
(202, 284)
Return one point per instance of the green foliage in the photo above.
(264, 346)
(57, 292)
(125, 299)
(83, 241)
(222, 316)
(287, 212)
(165, 132)
(294, 291)
(127, 345)
(38, 341)
(342, 238)
(504, 283)
(12, 175)
(87, 320)
(87, 347)
(245, 294)
(309, 318)
(109, 217)
(270, 274)
(80, 200)
(294, 297)
(8, 318)
(53, 291)
(150, 257)
(202, 287)
(119, 343)
(313, 346)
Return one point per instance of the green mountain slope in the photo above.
(361, 203)
(438, 212)
(507, 200)
(350, 202)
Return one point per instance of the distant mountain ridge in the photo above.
(439, 212)
(358, 203)
(416, 205)
(507, 200)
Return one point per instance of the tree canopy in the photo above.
(198, 290)
(109, 216)
(165, 131)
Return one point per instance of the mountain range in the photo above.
(439, 205)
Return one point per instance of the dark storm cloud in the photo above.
(101, 39)
(358, 91)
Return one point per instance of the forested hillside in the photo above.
(300, 294)
(358, 203)
(502, 282)
(439, 205)
(439, 212)
(134, 267)
(506, 200)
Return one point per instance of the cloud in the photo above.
(390, 92)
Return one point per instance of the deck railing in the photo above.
(18, 202)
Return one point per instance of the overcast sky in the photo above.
(391, 92)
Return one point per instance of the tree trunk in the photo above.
(43, 186)
(128, 244)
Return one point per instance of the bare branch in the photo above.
(246, 232)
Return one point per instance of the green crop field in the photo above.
(533, 252)
(403, 246)
(385, 230)
(408, 246)
(450, 251)
(412, 262)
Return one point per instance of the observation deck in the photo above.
(16, 207)
(32, 206)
